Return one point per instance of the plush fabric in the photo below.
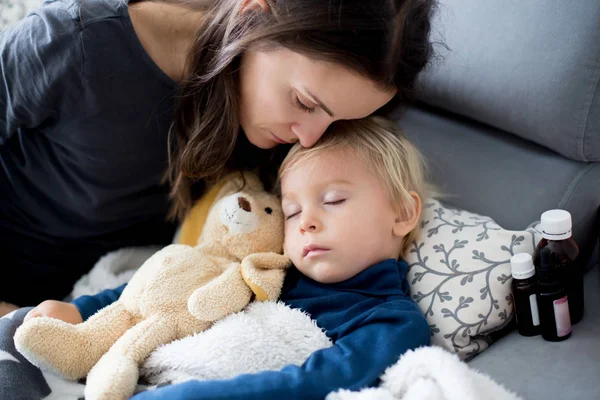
(428, 373)
(191, 227)
(112, 270)
(448, 235)
(466, 301)
(268, 336)
(180, 290)
(431, 373)
(215, 353)
(459, 274)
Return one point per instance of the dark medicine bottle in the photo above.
(560, 252)
(524, 291)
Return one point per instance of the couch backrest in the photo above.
(531, 68)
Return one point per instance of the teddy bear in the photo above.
(179, 291)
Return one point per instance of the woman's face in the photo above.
(287, 97)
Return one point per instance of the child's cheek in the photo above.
(288, 248)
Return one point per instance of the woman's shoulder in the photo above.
(84, 12)
(92, 11)
(57, 29)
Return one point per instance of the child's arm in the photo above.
(356, 361)
(89, 305)
(78, 310)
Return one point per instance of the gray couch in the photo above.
(509, 120)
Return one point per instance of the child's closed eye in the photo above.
(287, 217)
(335, 202)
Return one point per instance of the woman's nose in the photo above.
(308, 133)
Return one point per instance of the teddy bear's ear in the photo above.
(253, 181)
(230, 184)
(237, 181)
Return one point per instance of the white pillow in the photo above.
(459, 275)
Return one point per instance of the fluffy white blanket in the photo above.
(265, 336)
(268, 336)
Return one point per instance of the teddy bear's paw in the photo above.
(112, 379)
(51, 345)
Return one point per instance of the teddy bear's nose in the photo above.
(244, 204)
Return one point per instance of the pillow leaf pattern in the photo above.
(459, 275)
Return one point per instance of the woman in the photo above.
(99, 98)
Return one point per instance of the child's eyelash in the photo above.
(329, 203)
(304, 107)
(291, 216)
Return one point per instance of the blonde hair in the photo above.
(382, 147)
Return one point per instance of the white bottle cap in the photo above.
(556, 225)
(521, 266)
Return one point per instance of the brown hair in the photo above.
(384, 149)
(386, 41)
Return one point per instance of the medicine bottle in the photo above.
(524, 291)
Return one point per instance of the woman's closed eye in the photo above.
(303, 106)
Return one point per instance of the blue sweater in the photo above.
(370, 318)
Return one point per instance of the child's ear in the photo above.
(404, 224)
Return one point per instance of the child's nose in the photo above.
(310, 224)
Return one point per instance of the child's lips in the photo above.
(313, 250)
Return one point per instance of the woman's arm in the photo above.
(356, 361)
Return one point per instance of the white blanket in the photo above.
(268, 336)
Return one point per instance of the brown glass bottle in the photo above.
(560, 253)
(524, 291)
(552, 303)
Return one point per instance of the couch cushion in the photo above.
(488, 172)
(529, 68)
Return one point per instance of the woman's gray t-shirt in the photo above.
(84, 120)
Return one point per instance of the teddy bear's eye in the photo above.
(268, 210)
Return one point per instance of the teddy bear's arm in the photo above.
(264, 274)
(224, 295)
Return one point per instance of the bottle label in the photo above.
(535, 315)
(562, 317)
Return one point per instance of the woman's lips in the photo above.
(278, 139)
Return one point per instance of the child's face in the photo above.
(338, 218)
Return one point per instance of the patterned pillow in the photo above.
(459, 274)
